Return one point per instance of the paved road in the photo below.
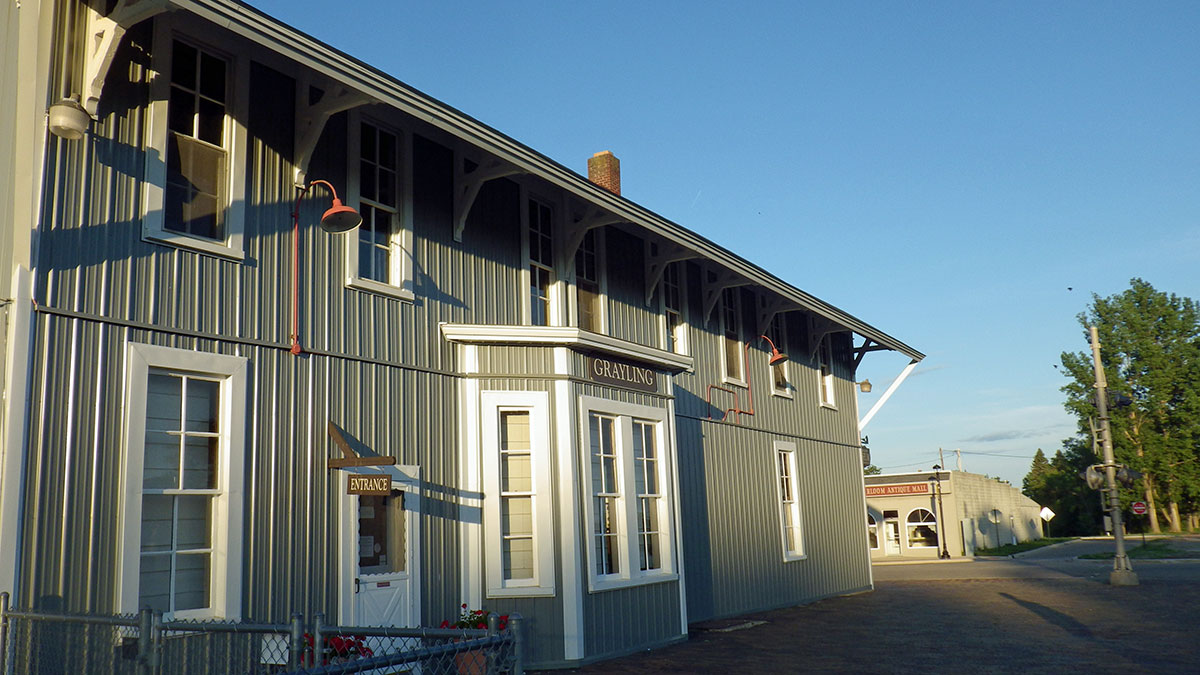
(1046, 614)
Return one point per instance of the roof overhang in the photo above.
(385, 89)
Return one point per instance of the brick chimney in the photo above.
(604, 169)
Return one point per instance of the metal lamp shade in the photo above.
(340, 218)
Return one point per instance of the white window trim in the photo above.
(937, 527)
(741, 341)
(798, 512)
(601, 285)
(402, 241)
(629, 575)
(167, 27)
(537, 403)
(825, 383)
(682, 340)
(225, 586)
(555, 318)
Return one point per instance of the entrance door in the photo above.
(891, 540)
(378, 552)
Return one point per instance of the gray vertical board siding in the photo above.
(516, 360)
(732, 526)
(628, 316)
(291, 521)
(624, 620)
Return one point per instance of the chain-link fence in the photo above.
(37, 643)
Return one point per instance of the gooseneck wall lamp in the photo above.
(337, 218)
(777, 358)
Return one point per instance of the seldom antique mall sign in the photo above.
(612, 371)
(897, 490)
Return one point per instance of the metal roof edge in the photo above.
(298, 46)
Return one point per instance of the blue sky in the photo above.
(943, 171)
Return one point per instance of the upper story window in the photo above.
(540, 254)
(588, 294)
(378, 261)
(781, 382)
(731, 332)
(825, 370)
(195, 159)
(674, 308)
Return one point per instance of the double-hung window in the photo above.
(377, 258)
(791, 530)
(539, 251)
(195, 158)
(516, 482)
(182, 496)
(588, 296)
(629, 514)
(673, 308)
(780, 378)
(825, 370)
(731, 340)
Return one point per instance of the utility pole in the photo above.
(958, 453)
(941, 459)
(1122, 573)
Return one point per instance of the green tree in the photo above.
(872, 470)
(1150, 352)
(1035, 480)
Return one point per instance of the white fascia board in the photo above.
(564, 336)
(297, 46)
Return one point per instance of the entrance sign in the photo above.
(368, 484)
(611, 371)
(1138, 507)
(893, 490)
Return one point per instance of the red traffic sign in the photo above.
(1138, 507)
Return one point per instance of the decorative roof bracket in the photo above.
(868, 345)
(713, 289)
(767, 310)
(467, 185)
(656, 265)
(311, 118)
(577, 230)
(104, 35)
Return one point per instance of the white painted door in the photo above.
(891, 540)
(379, 546)
(384, 580)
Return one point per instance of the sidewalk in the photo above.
(1059, 617)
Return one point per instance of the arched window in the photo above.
(872, 532)
(922, 529)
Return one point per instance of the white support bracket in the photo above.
(714, 288)
(862, 424)
(656, 265)
(767, 310)
(311, 119)
(104, 35)
(467, 185)
(577, 230)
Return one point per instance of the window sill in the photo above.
(795, 558)
(829, 406)
(783, 394)
(734, 383)
(598, 585)
(521, 592)
(380, 288)
(204, 246)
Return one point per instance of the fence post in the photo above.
(516, 623)
(318, 639)
(296, 644)
(144, 624)
(493, 629)
(4, 632)
(156, 642)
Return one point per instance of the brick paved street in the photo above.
(1054, 614)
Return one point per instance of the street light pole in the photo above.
(937, 488)
(1122, 573)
